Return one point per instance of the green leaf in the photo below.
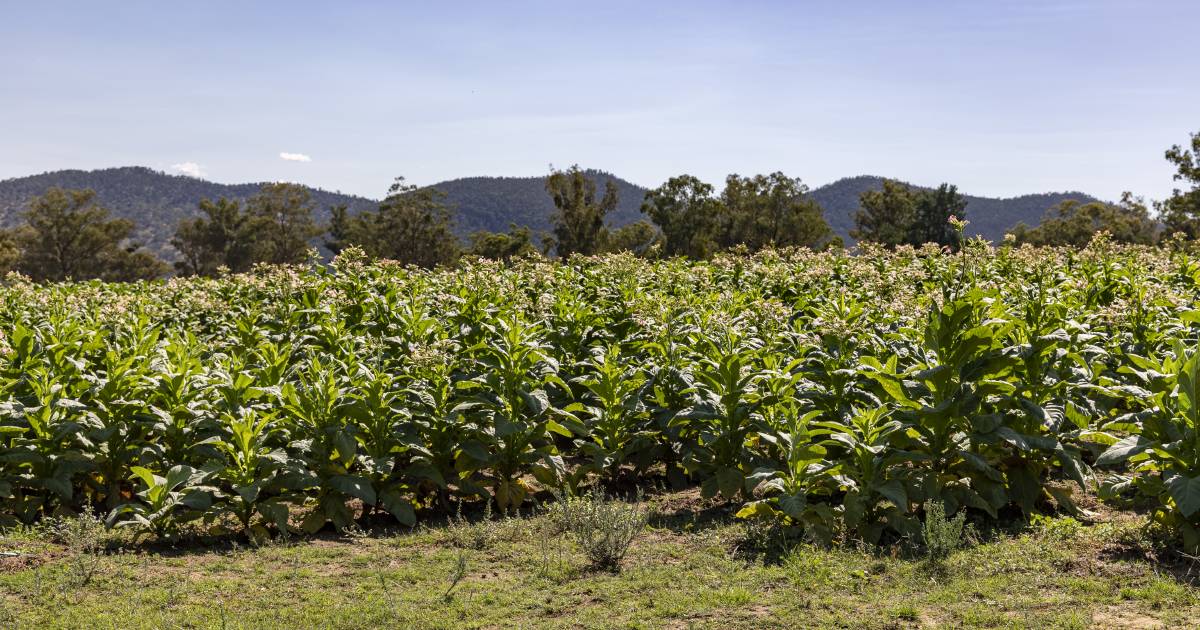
(536, 402)
(894, 491)
(1123, 450)
(729, 481)
(756, 509)
(150, 479)
(555, 427)
(177, 475)
(354, 486)
(1186, 493)
(1024, 487)
(346, 446)
(275, 513)
(793, 505)
(399, 507)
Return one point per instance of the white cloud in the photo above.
(294, 157)
(191, 169)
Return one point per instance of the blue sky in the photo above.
(1001, 98)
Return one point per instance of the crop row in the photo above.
(831, 392)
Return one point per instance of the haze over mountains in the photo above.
(157, 201)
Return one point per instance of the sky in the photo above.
(1000, 98)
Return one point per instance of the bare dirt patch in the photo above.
(1117, 618)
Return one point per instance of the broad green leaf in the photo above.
(1123, 450)
(355, 486)
(1186, 493)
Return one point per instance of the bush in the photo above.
(604, 528)
(942, 535)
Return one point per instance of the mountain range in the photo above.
(157, 201)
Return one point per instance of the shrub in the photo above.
(604, 528)
(942, 535)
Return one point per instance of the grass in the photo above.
(691, 568)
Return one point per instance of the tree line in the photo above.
(67, 235)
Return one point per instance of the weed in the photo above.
(84, 539)
(604, 528)
(942, 535)
(456, 574)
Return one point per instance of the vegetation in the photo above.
(829, 394)
(67, 236)
(692, 567)
(1075, 224)
(990, 217)
(898, 214)
(157, 203)
(223, 237)
(517, 242)
(412, 226)
(490, 204)
(686, 211)
(579, 213)
(1181, 212)
(751, 213)
(603, 528)
(282, 216)
(274, 227)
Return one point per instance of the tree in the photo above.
(886, 216)
(69, 236)
(10, 251)
(899, 214)
(411, 226)
(686, 212)
(223, 237)
(641, 238)
(579, 216)
(280, 217)
(1181, 212)
(1073, 223)
(931, 217)
(342, 229)
(517, 242)
(771, 211)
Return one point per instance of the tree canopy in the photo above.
(579, 214)
(275, 226)
(771, 211)
(281, 217)
(1181, 212)
(411, 226)
(223, 237)
(517, 242)
(751, 212)
(687, 213)
(898, 214)
(67, 236)
(1074, 224)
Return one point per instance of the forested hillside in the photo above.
(153, 200)
(157, 201)
(989, 217)
(491, 203)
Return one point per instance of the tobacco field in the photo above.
(833, 394)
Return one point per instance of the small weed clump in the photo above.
(943, 535)
(1062, 528)
(604, 528)
(463, 534)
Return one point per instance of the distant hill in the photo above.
(989, 217)
(157, 201)
(491, 203)
(153, 200)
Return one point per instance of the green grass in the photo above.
(687, 570)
